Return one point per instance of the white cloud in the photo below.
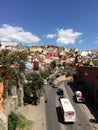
(67, 36)
(50, 36)
(16, 35)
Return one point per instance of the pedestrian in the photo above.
(46, 100)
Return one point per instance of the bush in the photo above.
(12, 121)
(10, 125)
(18, 122)
(23, 123)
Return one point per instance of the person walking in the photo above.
(46, 99)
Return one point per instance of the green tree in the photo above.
(9, 72)
(27, 93)
(34, 87)
(53, 64)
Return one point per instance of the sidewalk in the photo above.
(36, 114)
(90, 116)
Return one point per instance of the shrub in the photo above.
(18, 122)
(12, 121)
(23, 122)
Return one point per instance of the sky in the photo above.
(63, 23)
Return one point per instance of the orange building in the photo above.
(1, 98)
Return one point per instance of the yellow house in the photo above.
(36, 48)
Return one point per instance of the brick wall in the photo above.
(89, 75)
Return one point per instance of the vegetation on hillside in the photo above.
(18, 122)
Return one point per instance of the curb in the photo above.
(44, 123)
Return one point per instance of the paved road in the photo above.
(81, 120)
(51, 109)
(53, 112)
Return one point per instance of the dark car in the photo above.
(52, 79)
(57, 76)
(63, 73)
(60, 91)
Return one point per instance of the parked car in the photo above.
(60, 91)
(58, 75)
(48, 79)
(55, 86)
(63, 73)
(52, 79)
(78, 96)
(45, 81)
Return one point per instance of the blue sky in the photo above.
(65, 23)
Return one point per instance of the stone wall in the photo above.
(12, 103)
